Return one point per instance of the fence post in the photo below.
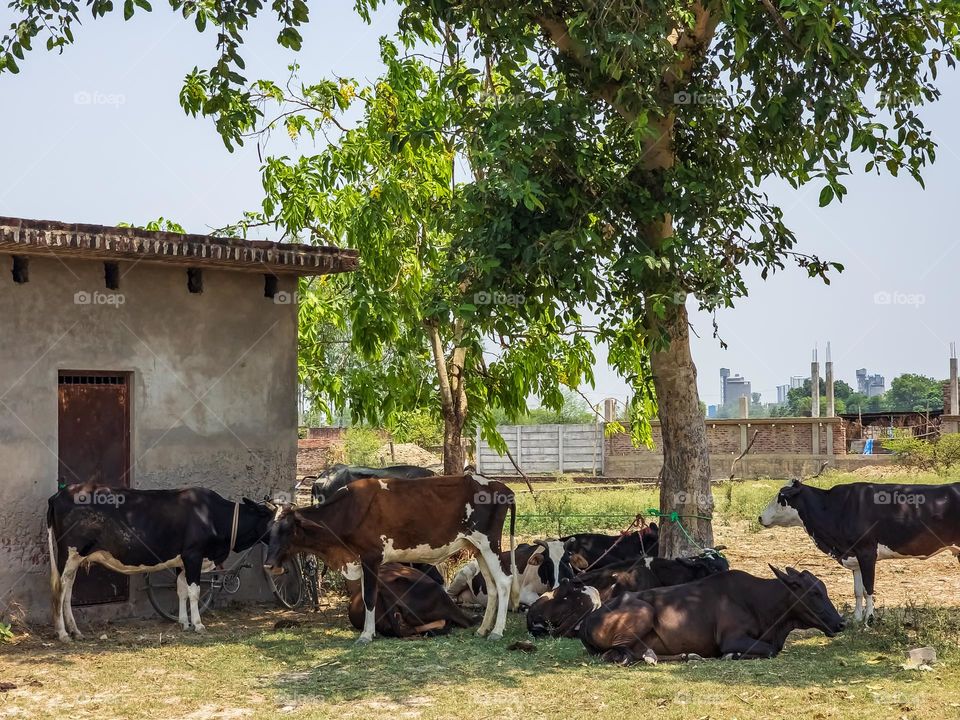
(560, 447)
(479, 461)
(519, 446)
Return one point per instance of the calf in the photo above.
(339, 475)
(731, 614)
(541, 566)
(136, 531)
(378, 520)
(559, 615)
(410, 603)
(593, 550)
(860, 523)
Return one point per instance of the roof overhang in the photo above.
(99, 242)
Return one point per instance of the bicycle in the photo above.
(289, 589)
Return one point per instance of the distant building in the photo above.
(870, 385)
(732, 388)
(796, 381)
(711, 411)
(782, 391)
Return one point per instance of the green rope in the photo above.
(674, 517)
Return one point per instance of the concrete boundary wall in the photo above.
(545, 449)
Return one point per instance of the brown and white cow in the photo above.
(378, 520)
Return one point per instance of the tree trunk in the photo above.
(454, 457)
(685, 480)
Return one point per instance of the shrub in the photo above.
(362, 446)
(940, 457)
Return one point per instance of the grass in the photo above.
(242, 668)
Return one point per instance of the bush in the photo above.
(362, 446)
(940, 457)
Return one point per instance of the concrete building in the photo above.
(870, 385)
(732, 388)
(144, 360)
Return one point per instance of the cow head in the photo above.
(546, 567)
(559, 612)
(782, 509)
(810, 604)
(253, 522)
(282, 535)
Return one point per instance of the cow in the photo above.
(646, 573)
(378, 520)
(860, 523)
(410, 603)
(541, 566)
(559, 616)
(731, 615)
(137, 531)
(340, 475)
(593, 550)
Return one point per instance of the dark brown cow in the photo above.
(377, 520)
(409, 603)
(731, 614)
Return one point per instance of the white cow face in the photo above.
(779, 511)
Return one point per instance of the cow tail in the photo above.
(55, 586)
(514, 575)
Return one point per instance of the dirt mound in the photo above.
(409, 454)
(881, 471)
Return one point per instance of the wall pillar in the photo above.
(954, 397)
(815, 387)
(744, 406)
(831, 405)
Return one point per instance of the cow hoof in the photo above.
(650, 657)
(495, 636)
(693, 657)
(482, 633)
(361, 641)
(200, 628)
(76, 635)
(728, 656)
(63, 637)
(185, 626)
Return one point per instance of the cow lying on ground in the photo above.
(409, 603)
(860, 523)
(647, 573)
(541, 566)
(593, 550)
(136, 531)
(731, 615)
(378, 520)
(339, 475)
(559, 614)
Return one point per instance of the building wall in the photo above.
(213, 394)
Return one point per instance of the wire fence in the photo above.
(569, 523)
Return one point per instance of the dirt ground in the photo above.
(899, 582)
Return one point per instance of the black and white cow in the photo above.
(340, 475)
(541, 565)
(138, 531)
(860, 523)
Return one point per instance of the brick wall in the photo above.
(781, 446)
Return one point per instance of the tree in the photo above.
(620, 153)
(914, 392)
(387, 187)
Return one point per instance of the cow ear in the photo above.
(535, 560)
(782, 576)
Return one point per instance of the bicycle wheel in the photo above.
(288, 588)
(162, 593)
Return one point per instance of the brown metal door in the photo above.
(94, 446)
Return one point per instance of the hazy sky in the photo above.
(97, 135)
